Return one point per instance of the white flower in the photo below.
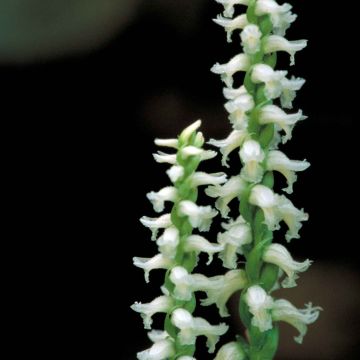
(218, 288)
(283, 310)
(162, 157)
(199, 216)
(237, 234)
(186, 284)
(278, 255)
(233, 141)
(229, 6)
(250, 39)
(289, 91)
(190, 150)
(223, 287)
(232, 189)
(161, 350)
(199, 139)
(240, 62)
(279, 43)
(232, 24)
(231, 94)
(161, 304)
(168, 242)
(230, 351)
(157, 199)
(157, 335)
(188, 132)
(265, 198)
(260, 305)
(280, 15)
(190, 327)
(278, 161)
(237, 108)
(186, 358)
(291, 216)
(273, 80)
(252, 155)
(159, 261)
(175, 173)
(182, 280)
(199, 244)
(277, 208)
(273, 114)
(171, 143)
(202, 178)
(154, 224)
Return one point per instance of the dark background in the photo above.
(73, 106)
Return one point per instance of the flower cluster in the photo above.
(259, 126)
(179, 249)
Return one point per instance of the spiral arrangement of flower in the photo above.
(259, 127)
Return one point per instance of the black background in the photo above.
(85, 184)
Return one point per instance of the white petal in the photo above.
(273, 80)
(232, 24)
(191, 151)
(232, 189)
(154, 224)
(182, 280)
(199, 244)
(273, 114)
(260, 305)
(187, 132)
(168, 242)
(278, 255)
(252, 155)
(161, 304)
(264, 198)
(157, 335)
(159, 261)
(278, 161)
(240, 62)
(279, 43)
(230, 351)
(233, 141)
(229, 6)
(238, 108)
(162, 157)
(190, 327)
(223, 287)
(283, 310)
(292, 217)
(202, 178)
(289, 88)
(199, 216)
(237, 234)
(280, 15)
(161, 350)
(250, 39)
(175, 173)
(171, 143)
(231, 94)
(157, 199)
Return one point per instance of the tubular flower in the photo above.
(278, 255)
(190, 327)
